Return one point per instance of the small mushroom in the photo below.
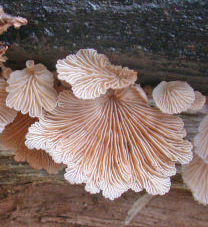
(173, 97)
(112, 143)
(13, 138)
(195, 175)
(7, 115)
(30, 90)
(199, 101)
(7, 20)
(201, 140)
(91, 74)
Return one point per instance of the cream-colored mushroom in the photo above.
(199, 101)
(195, 175)
(201, 140)
(7, 20)
(113, 143)
(91, 74)
(13, 138)
(7, 115)
(173, 97)
(30, 90)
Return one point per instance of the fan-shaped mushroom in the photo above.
(199, 101)
(91, 74)
(7, 20)
(7, 115)
(31, 90)
(13, 138)
(173, 97)
(195, 175)
(112, 143)
(201, 140)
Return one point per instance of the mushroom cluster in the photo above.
(105, 131)
(98, 123)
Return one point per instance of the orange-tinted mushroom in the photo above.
(201, 140)
(7, 20)
(30, 90)
(13, 138)
(7, 115)
(173, 97)
(195, 175)
(113, 143)
(91, 74)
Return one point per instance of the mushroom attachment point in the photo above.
(195, 175)
(13, 138)
(7, 20)
(112, 143)
(173, 97)
(30, 90)
(201, 140)
(91, 74)
(7, 115)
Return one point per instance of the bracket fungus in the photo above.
(199, 101)
(112, 143)
(201, 140)
(13, 138)
(7, 20)
(91, 74)
(7, 114)
(173, 97)
(195, 175)
(30, 90)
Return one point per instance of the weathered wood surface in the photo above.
(162, 40)
(34, 198)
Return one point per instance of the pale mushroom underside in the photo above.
(13, 138)
(173, 97)
(195, 175)
(112, 143)
(91, 74)
(7, 115)
(31, 90)
(201, 140)
(199, 101)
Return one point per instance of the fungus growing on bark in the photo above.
(91, 74)
(30, 90)
(195, 175)
(13, 138)
(7, 20)
(201, 140)
(173, 97)
(199, 101)
(112, 143)
(7, 115)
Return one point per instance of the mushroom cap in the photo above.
(173, 97)
(195, 175)
(201, 140)
(31, 90)
(91, 74)
(199, 101)
(13, 138)
(7, 115)
(112, 143)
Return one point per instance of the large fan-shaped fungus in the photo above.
(195, 175)
(91, 74)
(31, 90)
(13, 138)
(113, 143)
(201, 140)
(7, 115)
(173, 97)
